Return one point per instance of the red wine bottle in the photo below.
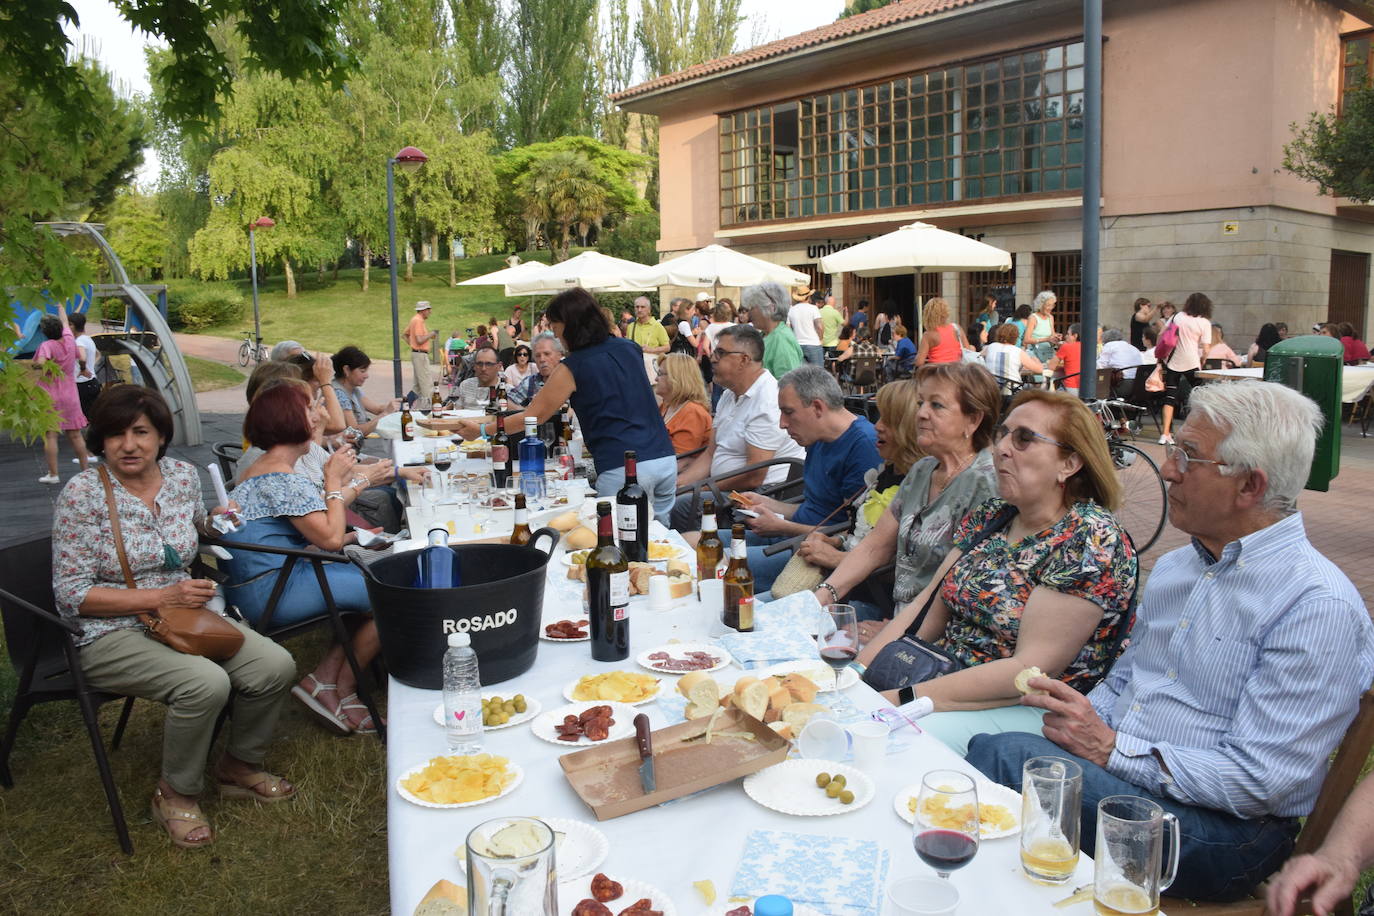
(608, 592)
(632, 515)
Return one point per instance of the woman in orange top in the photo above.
(682, 402)
(942, 341)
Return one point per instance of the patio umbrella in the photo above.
(506, 275)
(916, 248)
(589, 270)
(716, 265)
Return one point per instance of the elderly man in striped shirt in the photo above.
(1246, 663)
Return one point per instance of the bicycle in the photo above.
(247, 350)
(1144, 498)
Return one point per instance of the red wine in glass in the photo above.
(837, 657)
(945, 850)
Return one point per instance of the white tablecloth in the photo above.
(688, 840)
(1356, 381)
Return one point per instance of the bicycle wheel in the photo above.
(243, 353)
(1144, 499)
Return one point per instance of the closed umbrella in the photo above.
(589, 270)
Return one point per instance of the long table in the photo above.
(1356, 381)
(688, 840)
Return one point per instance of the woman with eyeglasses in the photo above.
(520, 369)
(1041, 576)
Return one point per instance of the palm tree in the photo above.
(562, 189)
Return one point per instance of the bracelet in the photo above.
(834, 595)
(334, 494)
(359, 484)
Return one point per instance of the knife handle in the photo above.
(642, 737)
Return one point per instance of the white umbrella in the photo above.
(716, 265)
(916, 248)
(589, 270)
(506, 275)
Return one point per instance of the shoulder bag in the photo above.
(1168, 342)
(192, 630)
(911, 660)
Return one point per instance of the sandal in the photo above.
(259, 786)
(365, 727)
(170, 817)
(312, 702)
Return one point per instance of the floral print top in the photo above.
(1085, 554)
(83, 551)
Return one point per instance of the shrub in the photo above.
(203, 306)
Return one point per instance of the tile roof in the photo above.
(892, 14)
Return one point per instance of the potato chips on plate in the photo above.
(459, 781)
(617, 686)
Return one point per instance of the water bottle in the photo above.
(437, 567)
(462, 696)
(773, 905)
(532, 455)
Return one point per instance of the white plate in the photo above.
(583, 847)
(987, 791)
(568, 694)
(680, 650)
(790, 787)
(571, 893)
(574, 618)
(417, 800)
(823, 675)
(567, 557)
(720, 909)
(679, 553)
(622, 715)
(532, 707)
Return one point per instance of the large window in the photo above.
(1001, 127)
(1356, 62)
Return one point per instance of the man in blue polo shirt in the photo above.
(840, 449)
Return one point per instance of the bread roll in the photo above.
(444, 899)
(796, 715)
(678, 566)
(751, 695)
(580, 538)
(1022, 680)
(639, 578)
(778, 697)
(801, 688)
(702, 693)
(679, 585)
(565, 522)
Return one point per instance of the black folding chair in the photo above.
(228, 455)
(332, 616)
(42, 648)
(1149, 400)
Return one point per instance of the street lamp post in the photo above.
(409, 159)
(262, 222)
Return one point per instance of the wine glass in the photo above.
(839, 636)
(443, 460)
(945, 829)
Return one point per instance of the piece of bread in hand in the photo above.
(751, 695)
(1022, 680)
(801, 687)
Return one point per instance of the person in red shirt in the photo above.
(1067, 362)
(1355, 350)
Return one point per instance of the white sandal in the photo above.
(311, 700)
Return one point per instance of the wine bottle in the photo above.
(608, 592)
(521, 535)
(632, 515)
(532, 454)
(500, 454)
(738, 613)
(407, 423)
(710, 549)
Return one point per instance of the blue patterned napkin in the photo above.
(842, 876)
(799, 613)
(768, 647)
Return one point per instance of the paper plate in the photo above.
(571, 893)
(574, 618)
(680, 650)
(790, 787)
(622, 715)
(417, 800)
(532, 708)
(823, 674)
(568, 695)
(582, 849)
(990, 792)
(566, 558)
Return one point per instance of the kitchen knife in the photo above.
(646, 753)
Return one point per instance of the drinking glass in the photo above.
(1051, 798)
(945, 831)
(443, 460)
(479, 493)
(1128, 859)
(839, 636)
(521, 881)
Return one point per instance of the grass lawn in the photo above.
(208, 375)
(328, 314)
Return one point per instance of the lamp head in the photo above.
(264, 222)
(410, 159)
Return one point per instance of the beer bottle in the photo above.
(521, 535)
(407, 423)
(436, 401)
(710, 549)
(608, 592)
(738, 613)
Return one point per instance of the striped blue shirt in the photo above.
(1242, 675)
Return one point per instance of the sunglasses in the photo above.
(1021, 437)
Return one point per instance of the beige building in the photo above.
(967, 114)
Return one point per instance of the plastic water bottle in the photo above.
(773, 905)
(462, 696)
(437, 566)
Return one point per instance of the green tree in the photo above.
(561, 190)
(854, 7)
(677, 34)
(136, 230)
(1337, 152)
(482, 37)
(547, 77)
(614, 69)
(635, 239)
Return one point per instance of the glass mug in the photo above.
(1129, 859)
(520, 878)
(1051, 803)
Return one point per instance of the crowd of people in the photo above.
(1210, 690)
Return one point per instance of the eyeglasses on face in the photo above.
(1179, 456)
(486, 363)
(718, 354)
(1022, 437)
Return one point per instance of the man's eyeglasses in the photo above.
(1178, 456)
(1021, 437)
(717, 354)
(486, 364)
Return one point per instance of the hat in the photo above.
(704, 297)
(800, 294)
(422, 305)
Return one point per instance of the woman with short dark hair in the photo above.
(360, 412)
(160, 508)
(57, 355)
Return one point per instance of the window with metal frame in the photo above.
(1061, 272)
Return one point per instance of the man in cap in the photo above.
(419, 337)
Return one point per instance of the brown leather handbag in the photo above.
(193, 630)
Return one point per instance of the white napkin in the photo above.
(842, 876)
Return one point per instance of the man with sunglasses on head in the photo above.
(1246, 663)
(486, 367)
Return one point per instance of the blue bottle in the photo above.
(437, 567)
(532, 455)
(773, 905)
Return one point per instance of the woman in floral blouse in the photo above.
(1050, 586)
(160, 509)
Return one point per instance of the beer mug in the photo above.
(1128, 858)
(511, 868)
(1051, 802)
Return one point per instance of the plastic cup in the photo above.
(712, 601)
(659, 597)
(823, 739)
(924, 896)
(869, 743)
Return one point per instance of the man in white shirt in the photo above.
(805, 321)
(87, 387)
(1117, 353)
(472, 391)
(746, 428)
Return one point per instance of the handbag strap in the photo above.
(998, 523)
(117, 534)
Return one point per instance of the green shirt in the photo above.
(781, 352)
(651, 334)
(831, 323)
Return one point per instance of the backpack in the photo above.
(1168, 341)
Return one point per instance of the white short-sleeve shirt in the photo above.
(752, 420)
(802, 319)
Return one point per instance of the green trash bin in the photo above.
(1312, 364)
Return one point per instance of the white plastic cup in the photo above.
(712, 602)
(659, 598)
(823, 739)
(924, 897)
(869, 744)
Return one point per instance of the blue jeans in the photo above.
(1223, 857)
(658, 477)
(813, 354)
(765, 569)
